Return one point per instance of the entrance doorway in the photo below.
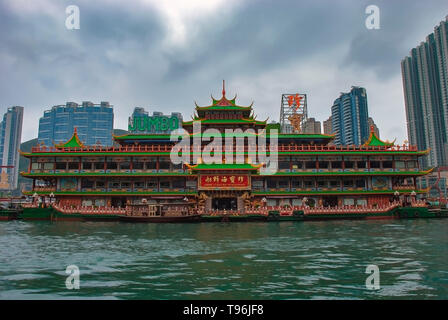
(118, 202)
(224, 204)
(330, 201)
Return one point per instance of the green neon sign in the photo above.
(153, 124)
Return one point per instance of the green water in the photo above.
(287, 260)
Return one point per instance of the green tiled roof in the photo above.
(224, 166)
(225, 121)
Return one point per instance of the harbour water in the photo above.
(286, 260)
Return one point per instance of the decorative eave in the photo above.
(223, 121)
(224, 166)
(73, 142)
(375, 141)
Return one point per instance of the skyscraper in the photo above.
(373, 125)
(10, 138)
(349, 117)
(328, 129)
(311, 126)
(425, 86)
(94, 123)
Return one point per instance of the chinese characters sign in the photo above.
(294, 100)
(224, 181)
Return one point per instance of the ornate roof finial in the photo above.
(223, 88)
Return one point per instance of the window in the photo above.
(412, 164)
(114, 185)
(61, 165)
(151, 165)
(296, 163)
(284, 183)
(361, 164)
(375, 164)
(283, 164)
(35, 166)
(48, 166)
(164, 163)
(360, 183)
(125, 165)
(387, 164)
(87, 166)
(152, 184)
(296, 183)
(178, 184)
(137, 165)
(87, 183)
(125, 185)
(348, 183)
(73, 165)
(308, 184)
(99, 165)
(310, 164)
(139, 184)
(349, 164)
(321, 183)
(111, 166)
(165, 184)
(335, 184)
(100, 184)
(336, 164)
(323, 164)
(361, 202)
(400, 165)
(272, 184)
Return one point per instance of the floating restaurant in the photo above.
(136, 180)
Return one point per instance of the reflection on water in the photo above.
(288, 260)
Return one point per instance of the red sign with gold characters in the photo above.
(224, 181)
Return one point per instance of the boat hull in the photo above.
(50, 213)
(161, 219)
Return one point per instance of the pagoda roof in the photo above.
(73, 142)
(374, 141)
(224, 103)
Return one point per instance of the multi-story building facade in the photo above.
(312, 126)
(328, 128)
(10, 138)
(94, 123)
(349, 117)
(374, 127)
(425, 84)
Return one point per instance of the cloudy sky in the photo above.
(164, 55)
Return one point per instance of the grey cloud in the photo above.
(120, 54)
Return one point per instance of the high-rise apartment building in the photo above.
(425, 85)
(349, 117)
(10, 138)
(373, 125)
(94, 123)
(328, 128)
(311, 126)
